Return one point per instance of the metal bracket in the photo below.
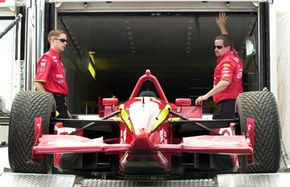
(19, 3)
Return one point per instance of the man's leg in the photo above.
(60, 106)
(225, 110)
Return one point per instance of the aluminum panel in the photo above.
(152, 183)
(36, 180)
(254, 180)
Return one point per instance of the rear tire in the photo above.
(26, 106)
(261, 105)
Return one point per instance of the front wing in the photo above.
(50, 144)
(214, 144)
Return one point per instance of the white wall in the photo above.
(7, 46)
(282, 37)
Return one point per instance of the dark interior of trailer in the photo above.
(176, 46)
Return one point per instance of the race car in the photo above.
(145, 135)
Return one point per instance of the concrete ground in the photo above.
(4, 163)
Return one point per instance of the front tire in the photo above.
(26, 106)
(261, 105)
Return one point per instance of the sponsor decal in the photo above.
(236, 59)
(226, 65)
(162, 135)
(225, 71)
(239, 75)
(54, 58)
(42, 69)
(42, 64)
(226, 75)
(60, 81)
(59, 76)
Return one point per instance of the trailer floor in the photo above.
(9, 179)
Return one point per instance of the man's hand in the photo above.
(69, 114)
(221, 86)
(39, 86)
(199, 100)
(221, 20)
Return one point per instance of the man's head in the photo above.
(57, 40)
(222, 44)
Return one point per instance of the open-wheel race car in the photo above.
(146, 135)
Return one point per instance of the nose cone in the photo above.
(141, 141)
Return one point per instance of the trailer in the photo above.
(106, 38)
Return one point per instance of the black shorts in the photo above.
(60, 105)
(225, 110)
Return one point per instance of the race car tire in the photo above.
(26, 106)
(261, 105)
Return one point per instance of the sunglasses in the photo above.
(218, 46)
(62, 40)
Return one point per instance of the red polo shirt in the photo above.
(50, 71)
(229, 67)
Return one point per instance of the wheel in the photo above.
(26, 106)
(261, 105)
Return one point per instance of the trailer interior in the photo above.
(111, 44)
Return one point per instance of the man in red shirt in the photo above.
(50, 75)
(228, 72)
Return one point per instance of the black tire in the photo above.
(261, 105)
(26, 106)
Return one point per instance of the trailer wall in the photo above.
(282, 36)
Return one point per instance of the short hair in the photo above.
(54, 33)
(226, 38)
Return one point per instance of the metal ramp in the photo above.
(254, 180)
(9, 179)
(152, 183)
(224, 180)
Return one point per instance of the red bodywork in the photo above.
(145, 133)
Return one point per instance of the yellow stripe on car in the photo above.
(176, 119)
(126, 118)
(161, 117)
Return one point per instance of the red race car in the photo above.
(146, 135)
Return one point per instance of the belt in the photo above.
(226, 100)
(60, 96)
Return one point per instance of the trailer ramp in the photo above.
(222, 180)
(9, 179)
(254, 180)
(157, 183)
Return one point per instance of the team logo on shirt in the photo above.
(54, 59)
